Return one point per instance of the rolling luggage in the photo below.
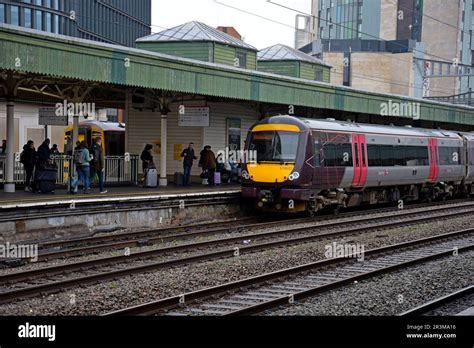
(178, 179)
(46, 180)
(151, 178)
(217, 178)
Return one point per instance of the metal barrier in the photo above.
(118, 169)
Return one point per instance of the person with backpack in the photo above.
(82, 161)
(28, 158)
(98, 164)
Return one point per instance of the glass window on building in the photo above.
(39, 20)
(2, 13)
(48, 26)
(241, 59)
(39, 2)
(56, 24)
(15, 15)
(55, 4)
(27, 16)
(27, 1)
(47, 3)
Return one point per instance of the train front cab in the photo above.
(277, 181)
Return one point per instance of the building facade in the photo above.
(390, 31)
(118, 22)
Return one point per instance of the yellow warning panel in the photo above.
(177, 150)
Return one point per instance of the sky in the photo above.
(255, 31)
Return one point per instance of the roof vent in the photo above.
(330, 119)
(408, 126)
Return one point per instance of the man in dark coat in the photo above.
(4, 147)
(29, 159)
(189, 157)
(98, 163)
(208, 162)
(44, 153)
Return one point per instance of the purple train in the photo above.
(310, 165)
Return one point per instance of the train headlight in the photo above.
(245, 175)
(294, 176)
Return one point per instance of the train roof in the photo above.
(344, 126)
(105, 126)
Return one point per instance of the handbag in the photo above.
(204, 174)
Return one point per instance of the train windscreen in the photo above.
(279, 146)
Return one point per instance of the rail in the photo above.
(118, 169)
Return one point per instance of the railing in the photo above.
(118, 169)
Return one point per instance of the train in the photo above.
(310, 165)
(112, 135)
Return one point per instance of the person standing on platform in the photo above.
(29, 158)
(208, 162)
(55, 150)
(82, 161)
(98, 164)
(147, 160)
(4, 147)
(189, 157)
(44, 153)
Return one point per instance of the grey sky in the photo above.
(256, 31)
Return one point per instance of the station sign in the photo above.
(194, 117)
(48, 117)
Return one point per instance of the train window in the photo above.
(373, 153)
(317, 153)
(275, 146)
(449, 155)
(338, 155)
(386, 156)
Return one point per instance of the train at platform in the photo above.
(310, 165)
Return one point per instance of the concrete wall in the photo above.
(388, 20)
(442, 40)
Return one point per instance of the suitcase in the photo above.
(178, 179)
(151, 178)
(217, 178)
(46, 175)
(46, 180)
(46, 186)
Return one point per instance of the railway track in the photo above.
(451, 304)
(57, 278)
(257, 294)
(81, 246)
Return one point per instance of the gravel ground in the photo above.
(390, 294)
(140, 288)
(120, 252)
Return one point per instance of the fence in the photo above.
(118, 169)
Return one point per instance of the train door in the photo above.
(434, 160)
(359, 147)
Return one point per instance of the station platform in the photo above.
(22, 199)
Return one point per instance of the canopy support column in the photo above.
(164, 147)
(9, 186)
